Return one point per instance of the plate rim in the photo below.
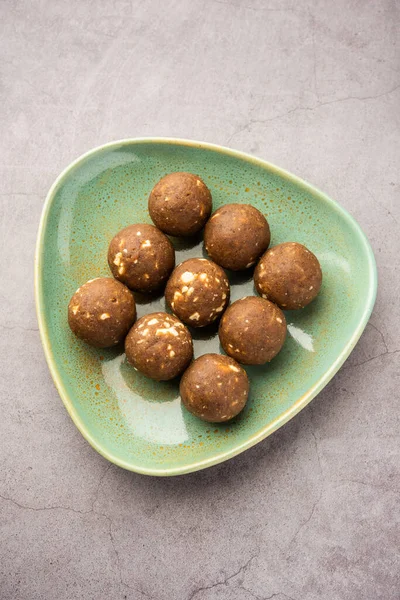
(286, 415)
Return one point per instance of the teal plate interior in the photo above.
(140, 424)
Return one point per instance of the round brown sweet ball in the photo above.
(141, 257)
(197, 292)
(101, 312)
(236, 235)
(159, 346)
(180, 204)
(252, 330)
(289, 275)
(214, 388)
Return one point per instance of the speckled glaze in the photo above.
(140, 424)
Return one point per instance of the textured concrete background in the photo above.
(312, 512)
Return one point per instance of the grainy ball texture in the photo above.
(214, 388)
(180, 204)
(236, 235)
(159, 346)
(142, 257)
(197, 292)
(252, 330)
(101, 312)
(289, 275)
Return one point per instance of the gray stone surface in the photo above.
(312, 512)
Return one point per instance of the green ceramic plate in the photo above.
(140, 424)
